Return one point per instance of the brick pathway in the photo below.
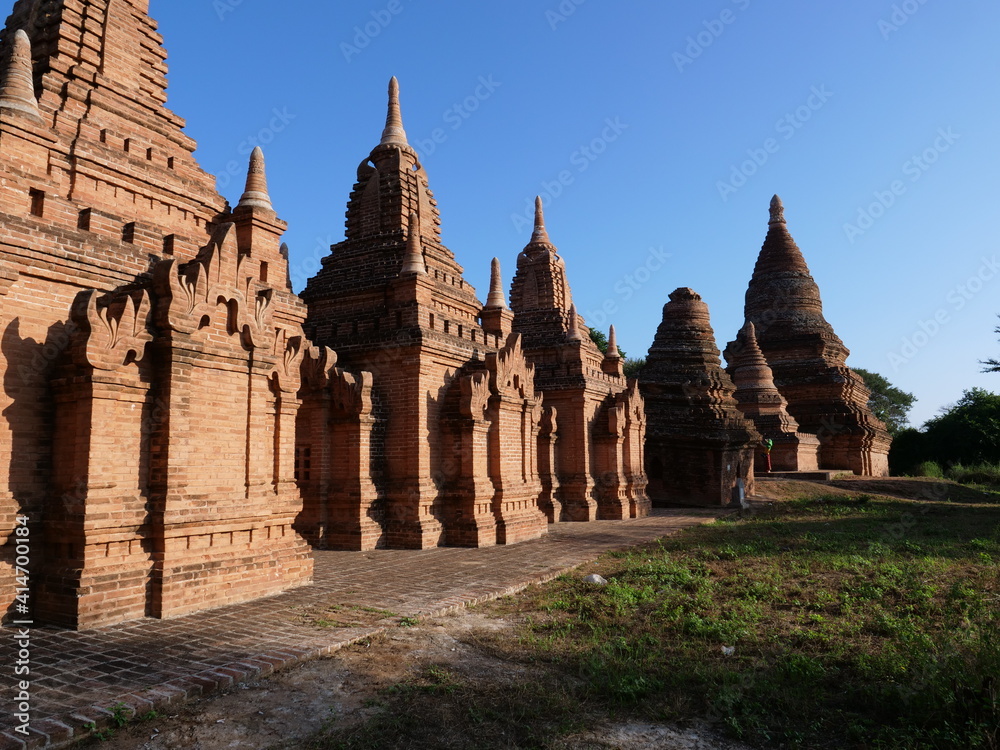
(77, 677)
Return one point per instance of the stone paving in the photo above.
(76, 678)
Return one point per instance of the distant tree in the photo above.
(992, 365)
(888, 403)
(632, 366)
(599, 338)
(909, 449)
(966, 433)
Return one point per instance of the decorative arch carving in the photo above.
(217, 282)
(634, 404)
(352, 394)
(289, 351)
(475, 396)
(318, 366)
(116, 332)
(549, 424)
(510, 372)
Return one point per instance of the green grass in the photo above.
(986, 476)
(851, 621)
(856, 622)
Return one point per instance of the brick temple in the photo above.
(807, 359)
(597, 461)
(450, 444)
(699, 445)
(181, 428)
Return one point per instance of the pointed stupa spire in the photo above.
(541, 235)
(777, 211)
(750, 353)
(394, 135)
(573, 334)
(747, 362)
(256, 194)
(18, 88)
(781, 274)
(413, 261)
(496, 299)
(612, 352)
(756, 394)
(750, 372)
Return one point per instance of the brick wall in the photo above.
(150, 489)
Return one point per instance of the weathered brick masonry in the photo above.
(455, 416)
(761, 401)
(179, 426)
(596, 458)
(808, 359)
(699, 447)
(150, 340)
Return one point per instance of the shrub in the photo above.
(982, 474)
(929, 469)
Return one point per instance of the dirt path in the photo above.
(343, 691)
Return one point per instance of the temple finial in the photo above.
(748, 338)
(573, 334)
(256, 194)
(18, 88)
(394, 135)
(612, 352)
(413, 262)
(777, 211)
(284, 253)
(496, 299)
(540, 235)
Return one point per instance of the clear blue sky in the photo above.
(645, 109)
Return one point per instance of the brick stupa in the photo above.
(453, 446)
(699, 446)
(808, 359)
(759, 400)
(598, 461)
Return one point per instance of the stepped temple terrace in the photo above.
(182, 429)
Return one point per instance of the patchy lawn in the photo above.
(841, 620)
